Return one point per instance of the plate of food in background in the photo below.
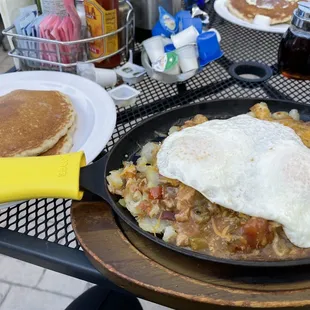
(52, 113)
(263, 15)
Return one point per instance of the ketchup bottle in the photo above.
(102, 18)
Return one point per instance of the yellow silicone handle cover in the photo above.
(41, 177)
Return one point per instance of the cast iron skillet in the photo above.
(131, 143)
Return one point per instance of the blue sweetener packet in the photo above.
(29, 9)
(26, 17)
(32, 31)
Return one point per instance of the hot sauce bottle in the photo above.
(294, 51)
(102, 18)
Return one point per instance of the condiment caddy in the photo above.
(63, 55)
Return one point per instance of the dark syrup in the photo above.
(294, 56)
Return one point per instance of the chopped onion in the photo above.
(279, 248)
(294, 114)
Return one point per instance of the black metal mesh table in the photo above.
(39, 231)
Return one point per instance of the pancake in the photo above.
(64, 145)
(279, 11)
(32, 122)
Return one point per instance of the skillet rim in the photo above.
(189, 253)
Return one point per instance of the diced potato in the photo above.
(170, 234)
(129, 170)
(155, 211)
(141, 164)
(182, 240)
(261, 111)
(155, 226)
(280, 115)
(149, 152)
(152, 176)
(132, 206)
(137, 196)
(115, 180)
(200, 119)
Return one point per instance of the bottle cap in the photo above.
(301, 17)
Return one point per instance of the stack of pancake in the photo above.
(279, 11)
(34, 123)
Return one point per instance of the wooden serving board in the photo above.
(168, 278)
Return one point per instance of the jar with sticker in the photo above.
(294, 51)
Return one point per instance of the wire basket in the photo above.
(43, 54)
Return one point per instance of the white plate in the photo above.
(222, 10)
(96, 112)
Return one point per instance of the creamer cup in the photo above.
(168, 64)
(188, 58)
(154, 47)
(185, 37)
(166, 25)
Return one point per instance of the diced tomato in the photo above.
(156, 192)
(257, 233)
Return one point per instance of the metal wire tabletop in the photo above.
(40, 232)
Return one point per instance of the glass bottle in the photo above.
(294, 50)
(102, 18)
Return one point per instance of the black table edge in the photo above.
(52, 256)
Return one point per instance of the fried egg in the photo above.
(251, 166)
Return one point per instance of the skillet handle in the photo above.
(92, 178)
(37, 177)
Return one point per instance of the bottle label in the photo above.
(166, 62)
(54, 7)
(169, 22)
(101, 21)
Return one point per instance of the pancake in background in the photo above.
(280, 11)
(64, 145)
(32, 122)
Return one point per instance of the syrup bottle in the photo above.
(102, 18)
(294, 51)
